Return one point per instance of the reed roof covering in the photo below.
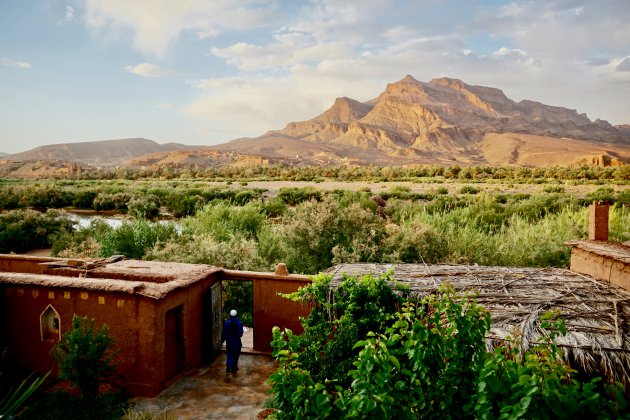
(597, 314)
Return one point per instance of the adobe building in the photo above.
(597, 257)
(166, 318)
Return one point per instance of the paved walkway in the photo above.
(210, 393)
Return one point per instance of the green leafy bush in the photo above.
(427, 359)
(133, 239)
(318, 234)
(22, 230)
(468, 189)
(144, 207)
(294, 196)
(222, 221)
(85, 356)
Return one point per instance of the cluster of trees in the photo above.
(311, 230)
(356, 173)
(142, 201)
(369, 351)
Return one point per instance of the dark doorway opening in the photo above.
(174, 356)
(239, 295)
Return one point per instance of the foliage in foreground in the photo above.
(61, 405)
(15, 398)
(85, 356)
(428, 360)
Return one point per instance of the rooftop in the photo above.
(596, 313)
(152, 279)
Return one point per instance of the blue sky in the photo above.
(208, 71)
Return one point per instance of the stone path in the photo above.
(210, 393)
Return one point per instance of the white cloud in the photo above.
(69, 15)
(624, 65)
(351, 48)
(9, 62)
(157, 24)
(253, 105)
(164, 105)
(148, 70)
(254, 57)
(507, 52)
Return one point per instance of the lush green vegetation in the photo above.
(371, 173)
(311, 229)
(85, 356)
(22, 230)
(369, 351)
(12, 400)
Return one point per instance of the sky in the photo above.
(208, 71)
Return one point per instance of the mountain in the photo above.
(3, 154)
(99, 153)
(444, 121)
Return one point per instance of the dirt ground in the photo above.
(211, 393)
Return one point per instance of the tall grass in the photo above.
(341, 227)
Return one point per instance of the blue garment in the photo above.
(232, 333)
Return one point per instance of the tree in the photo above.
(85, 356)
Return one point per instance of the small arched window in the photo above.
(50, 324)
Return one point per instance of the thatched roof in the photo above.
(597, 314)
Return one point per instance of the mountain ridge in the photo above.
(446, 121)
(100, 152)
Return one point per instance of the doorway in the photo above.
(212, 321)
(174, 356)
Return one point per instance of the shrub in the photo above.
(413, 242)
(426, 360)
(144, 207)
(553, 189)
(186, 204)
(9, 198)
(468, 189)
(84, 199)
(133, 239)
(235, 253)
(85, 356)
(294, 196)
(22, 230)
(320, 233)
(45, 197)
(105, 201)
(222, 221)
(80, 243)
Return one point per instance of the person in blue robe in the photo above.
(231, 334)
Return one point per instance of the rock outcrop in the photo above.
(446, 121)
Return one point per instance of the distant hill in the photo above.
(3, 154)
(98, 153)
(444, 121)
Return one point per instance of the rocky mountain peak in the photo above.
(455, 84)
(345, 110)
(449, 120)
